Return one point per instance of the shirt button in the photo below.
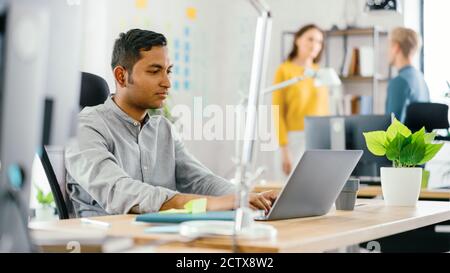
(145, 168)
(136, 123)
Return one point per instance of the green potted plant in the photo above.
(401, 184)
(46, 210)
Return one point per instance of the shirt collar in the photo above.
(406, 67)
(111, 105)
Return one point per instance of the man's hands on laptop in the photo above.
(257, 201)
(263, 201)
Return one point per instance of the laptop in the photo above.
(314, 185)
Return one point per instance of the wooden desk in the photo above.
(66, 232)
(372, 191)
(370, 220)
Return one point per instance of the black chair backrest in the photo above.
(94, 90)
(58, 188)
(429, 115)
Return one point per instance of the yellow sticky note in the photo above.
(196, 206)
(141, 4)
(173, 211)
(193, 206)
(191, 13)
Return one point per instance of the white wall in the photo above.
(411, 15)
(437, 54)
(94, 54)
(222, 44)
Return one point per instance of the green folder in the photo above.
(183, 217)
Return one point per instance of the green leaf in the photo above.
(419, 135)
(376, 142)
(40, 196)
(407, 141)
(44, 199)
(430, 151)
(412, 154)
(49, 198)
(429, 138)
(395, 147)
(397, 128)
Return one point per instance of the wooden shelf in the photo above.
(361, 79)
(356, 32)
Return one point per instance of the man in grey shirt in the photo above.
(125, 161)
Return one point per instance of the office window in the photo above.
(437, 48)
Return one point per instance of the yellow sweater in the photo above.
(297, 101)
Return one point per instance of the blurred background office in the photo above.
(211, 45)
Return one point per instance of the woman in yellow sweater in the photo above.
(300, 99)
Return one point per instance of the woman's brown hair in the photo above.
(299, 34)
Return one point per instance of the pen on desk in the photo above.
(95, 222)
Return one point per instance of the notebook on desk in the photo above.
(183, 217)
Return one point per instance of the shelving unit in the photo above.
(363, 79)
(374, 33)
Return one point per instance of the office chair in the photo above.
(63, 205)
(429, 115)
(94, 90)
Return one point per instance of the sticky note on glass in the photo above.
(193, 206)
(191, 13)
(141, 4)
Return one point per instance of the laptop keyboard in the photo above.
(260, 215)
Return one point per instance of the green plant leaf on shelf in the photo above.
(42, 199)
(49, 198)
(397, 128)
(40, 196)
(376, 142)
(430, 151)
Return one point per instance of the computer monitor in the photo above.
(40, 53)
(346, 132)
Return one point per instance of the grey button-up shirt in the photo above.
(116, 165)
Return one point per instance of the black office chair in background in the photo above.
(432, 116)
(94, 90)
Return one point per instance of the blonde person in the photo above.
(409, 86)
(300, 99)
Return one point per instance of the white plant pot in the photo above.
(401, 186)
(45, 213)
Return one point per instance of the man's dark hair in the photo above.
(128, 46)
